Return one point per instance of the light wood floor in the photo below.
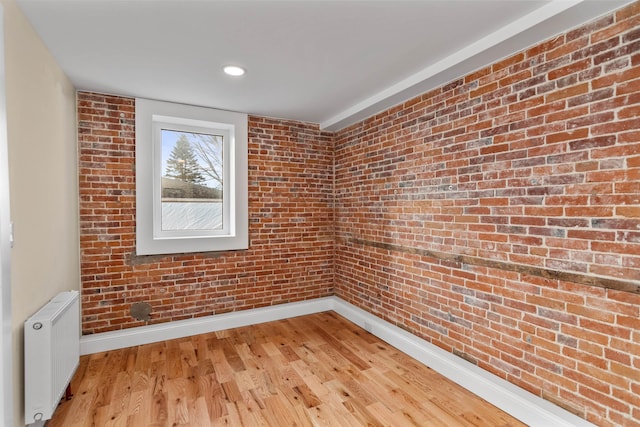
(311, 370)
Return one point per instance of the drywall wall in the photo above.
(41, 133)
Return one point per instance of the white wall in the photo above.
(41, 129)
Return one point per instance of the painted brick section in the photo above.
(531, 161)
(290, 213)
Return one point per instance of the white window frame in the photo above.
(153, 116)
(161, 123)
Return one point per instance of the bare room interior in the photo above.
(387, 213)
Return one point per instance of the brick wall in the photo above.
(498, 217)
(290, 230)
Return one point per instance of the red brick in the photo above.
(628, 211)
(569, 69)
(537, 176)
(568, 92)
(283, 139)
(483, 89)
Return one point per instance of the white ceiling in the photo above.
(327, 62)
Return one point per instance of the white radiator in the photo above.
(51, 354)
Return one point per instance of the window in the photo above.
(191, 179)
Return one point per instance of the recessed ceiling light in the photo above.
(234, 70)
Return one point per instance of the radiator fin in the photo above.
(52, 354)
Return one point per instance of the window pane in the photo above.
(192, 184)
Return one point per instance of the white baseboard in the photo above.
(113, 340)
(517, 402)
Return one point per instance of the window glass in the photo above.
(193, 181)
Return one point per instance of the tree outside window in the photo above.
(192, 184)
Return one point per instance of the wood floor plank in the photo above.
(99, 417)
(224, 371)
(215, 398)
(198, 413)
(231, 355)
(119, 406)
(349, 377)
(341, 411)
(380, 412)
(315, 370)
(278, 410)
(380, 389)
(180, 393)
(139, 407)
(316, 386)
(232, 417)
(159, 407)
(361, 413)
